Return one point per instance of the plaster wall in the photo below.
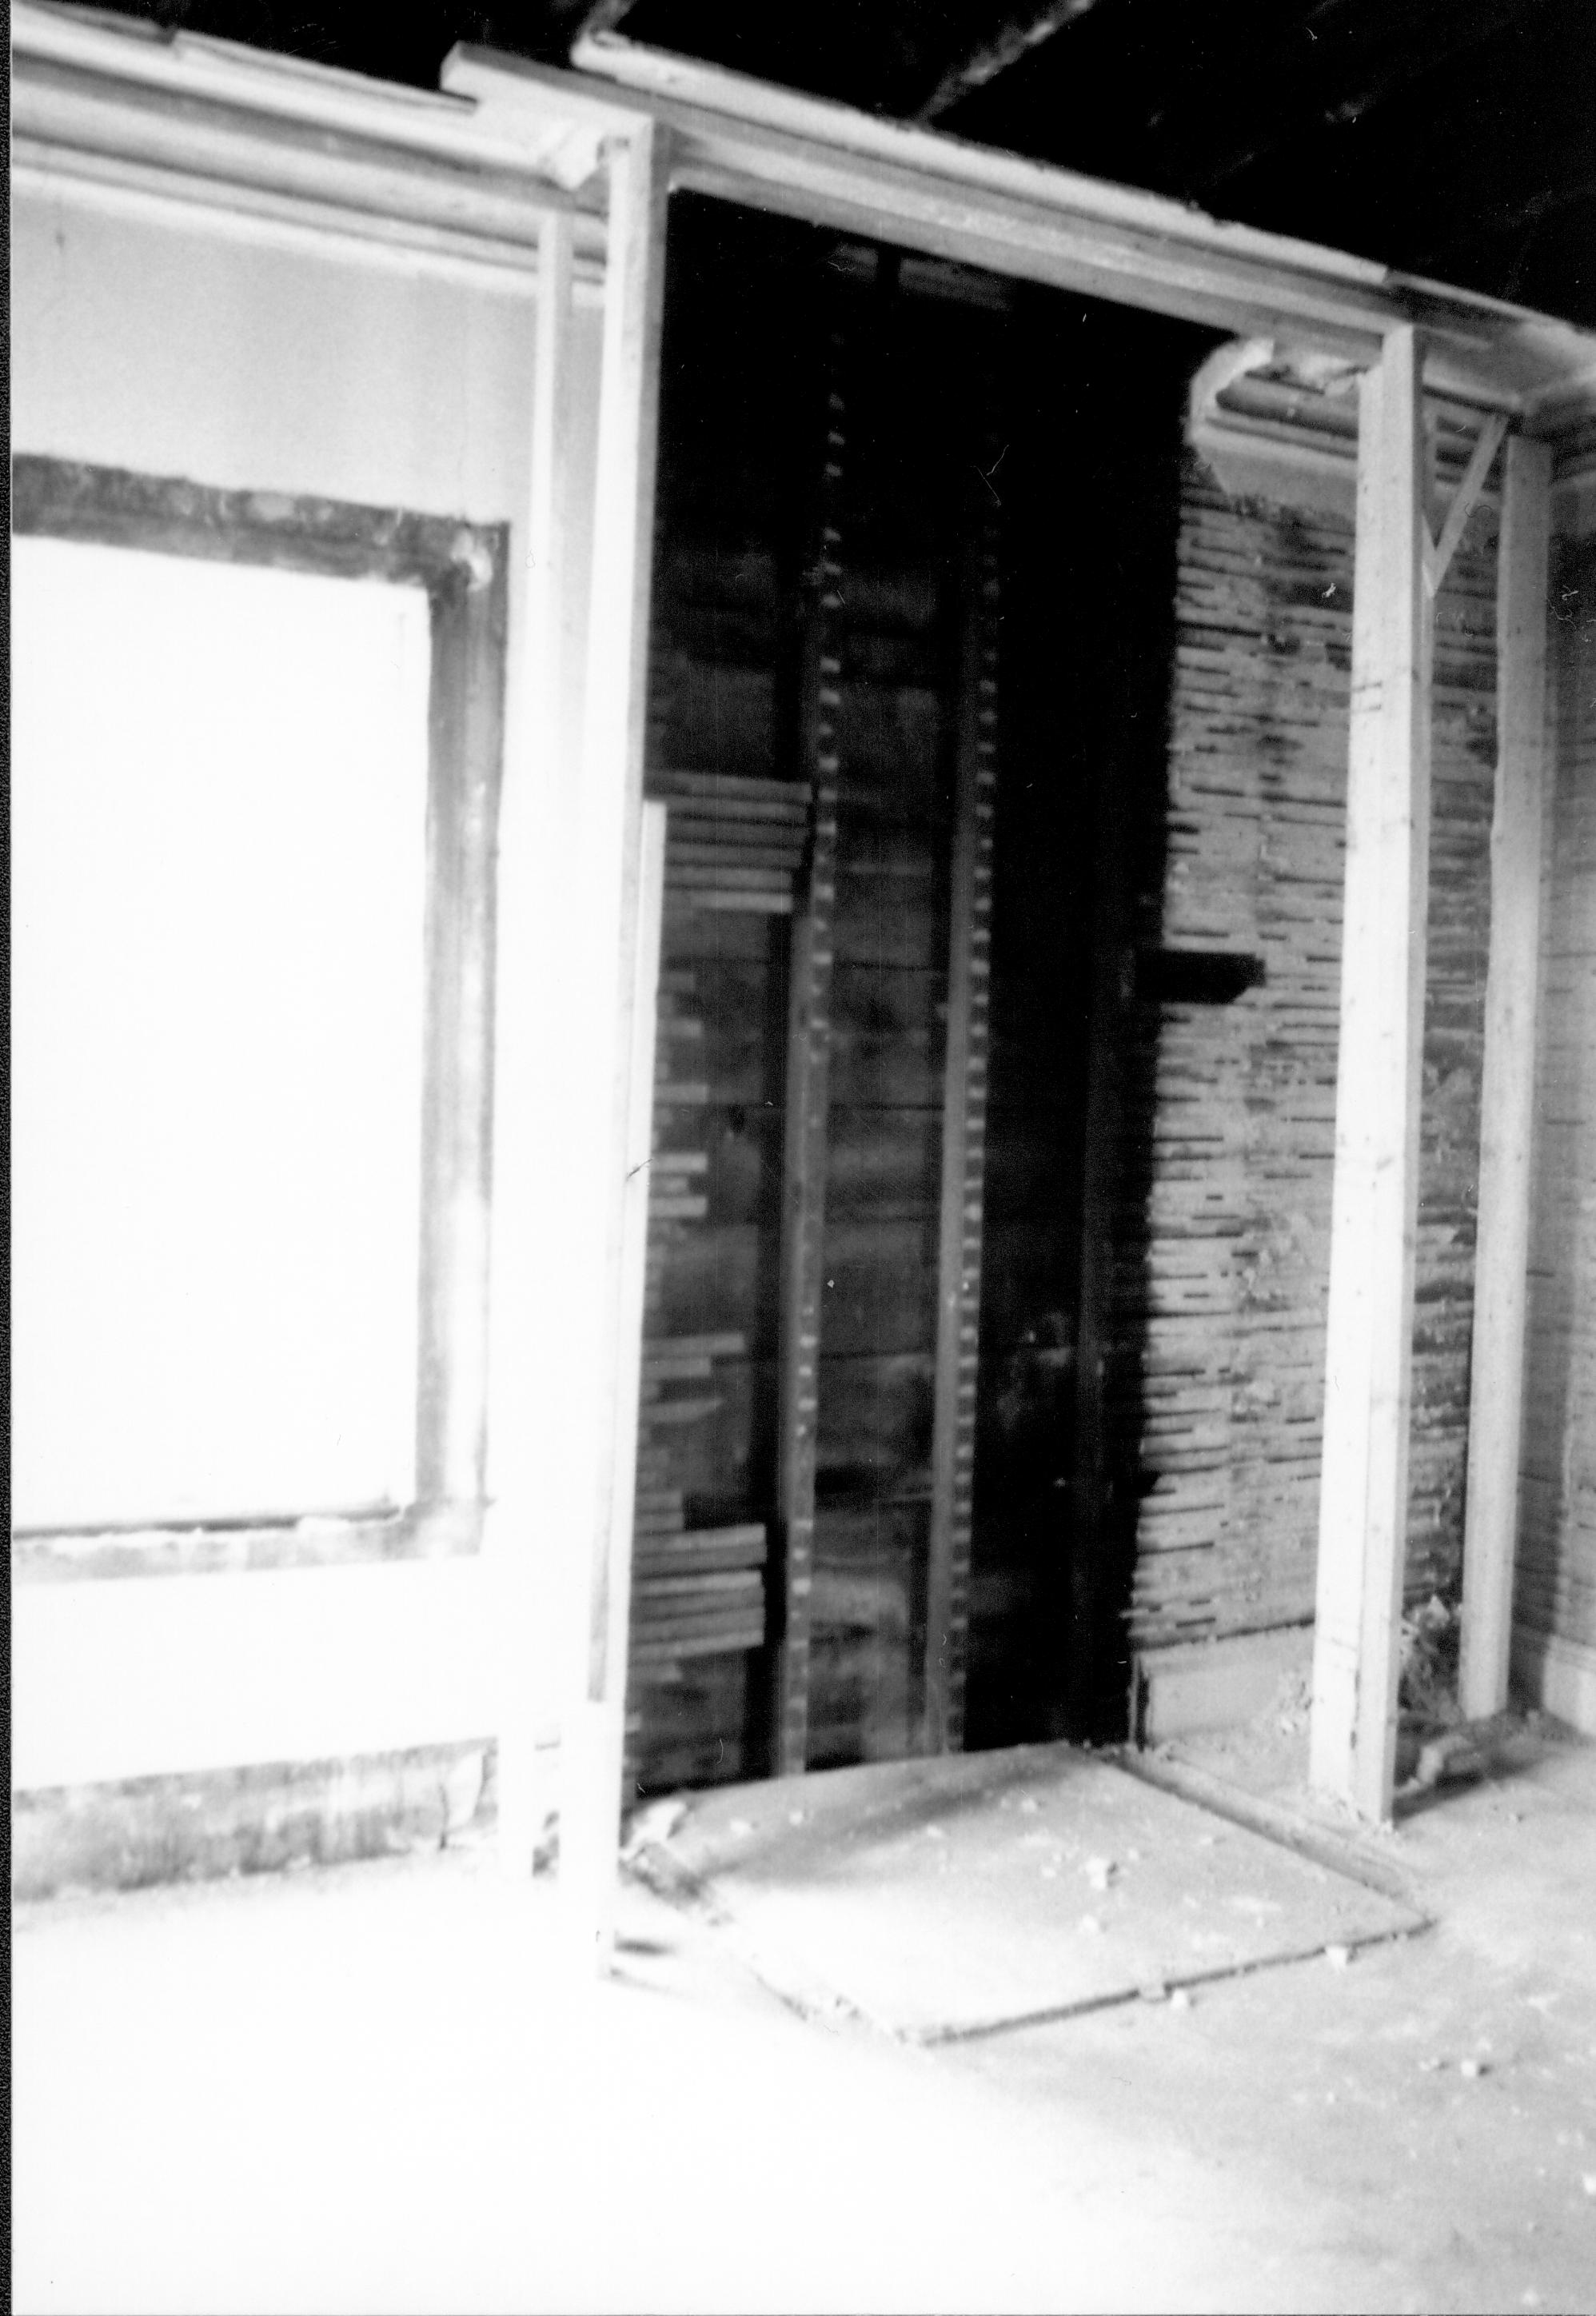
(163, 340)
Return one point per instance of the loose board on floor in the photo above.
(941, 1898)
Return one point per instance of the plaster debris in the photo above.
(1099, 1872)
(655, 1824)
(1090, 1925)
(1473, 2069)
(1181, 1998)
(1339, 1957)
(1450, 1758)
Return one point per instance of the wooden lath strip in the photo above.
(964, 1149)
(1439, 553)
(808, 1072)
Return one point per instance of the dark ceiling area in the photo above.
(1450, 138)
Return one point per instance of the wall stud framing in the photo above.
(1507, 1090)
(616, 977)
(1369, 1368)
(963, 1152)
(808, 1072)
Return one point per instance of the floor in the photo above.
(378, 2088)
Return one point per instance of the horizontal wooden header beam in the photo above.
(747, 141)
(271, 150)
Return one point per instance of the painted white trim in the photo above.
(924, 189)
(1374, 1202)
(262, 219)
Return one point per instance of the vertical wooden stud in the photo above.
(1507, 1091)
(1363, 1491)
(803, 1157)
(535, 760)
(594, 1738)
(609, 969)
(964, 1147)
(466, 719)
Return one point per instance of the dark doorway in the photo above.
(902, 506)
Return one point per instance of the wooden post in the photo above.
(1368, 1351)
(535, 760)
(964, 1150)
(594, 1735)
(1507, 1091)
(610, 970)
(804, 1156)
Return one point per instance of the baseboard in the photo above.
(1198, 1685)
(207, 1823)
(1558, 1675)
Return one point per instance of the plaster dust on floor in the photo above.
(947, 1897)
(377, 2087)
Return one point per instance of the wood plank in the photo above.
(1466, 497)
(808, 1065)
(1507, 1101)
(617, 967)
(516, 1485)
(964, 1133)
(770, 147)
(786, 799)
(743, 902)
(1363, 1496)
(778, 149)
(654, 1655)
(467, 727)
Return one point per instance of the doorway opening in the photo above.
(911, 641)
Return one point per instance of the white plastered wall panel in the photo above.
(163, 344)
(162, 339)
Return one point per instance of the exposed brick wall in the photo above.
(1223, 1287)
(1556, 1583)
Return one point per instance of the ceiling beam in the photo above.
(1018, 35)
(601, 16)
